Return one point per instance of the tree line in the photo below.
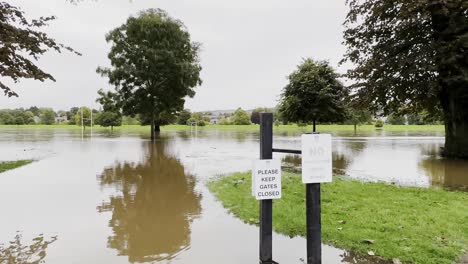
(408, 58)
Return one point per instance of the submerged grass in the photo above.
(9, 165)
(415, 225)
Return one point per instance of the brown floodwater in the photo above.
(124, 199)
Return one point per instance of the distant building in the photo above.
(61, 119)
(215, 118)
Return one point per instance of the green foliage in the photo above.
(224, 122)
(110, 101)
(379, 123)
(201, 123)
(154, 65)
(240, 117)
(109, 119)
(22, 45)
(7, 119)
(71, 115)
(86, 116)
(28, 117)
(415, 225)
(197, 116)
(411, 56)
(9, 165)
(358, 116)
(395, 119)
(128, 120)
(47, 116)
(183, 117)
(191, 121)
(16, 117)
(19, 120)
(35, 110)
(313, 94)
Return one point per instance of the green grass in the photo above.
(9, 165)
(245, 128)
(415, 225)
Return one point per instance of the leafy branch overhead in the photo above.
(412, 56)
(21, 45)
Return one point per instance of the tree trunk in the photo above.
(112, 129)
(152, 129)
(313, 126)
(456, 123)
(355, 128)
(157, 128)
(449, 24)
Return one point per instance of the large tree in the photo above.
(411, 56)
(21, 45)
(154, 66)
(313, 94)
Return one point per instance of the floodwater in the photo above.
(124, 199)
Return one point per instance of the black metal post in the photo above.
(266, 206)
(314, 225)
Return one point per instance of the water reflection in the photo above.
(343, 155)
(452, 174)
(18, 253)
(154, 206)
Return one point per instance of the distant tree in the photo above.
(395, 119)
(197, 116)
(154, 66)
(314, 94)
(358, 116)
(128, 120)
(19, 120)
(183, 117)
(86, 117)
(224, 122)
(111, 103)
(71, 115)
(109, 119)
(35, 110)
(28, 117)
(411, 56)
(47, 116)
(414, 119)
(240, 117)
(21, 45)
(7, 118)
(379, 123)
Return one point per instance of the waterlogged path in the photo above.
(124, 199)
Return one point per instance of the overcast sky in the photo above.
(248, 47)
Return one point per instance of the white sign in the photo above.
(266, 179)
(316, 158)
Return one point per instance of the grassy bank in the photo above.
(414, 225)
(9, 165)
(323, 128)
